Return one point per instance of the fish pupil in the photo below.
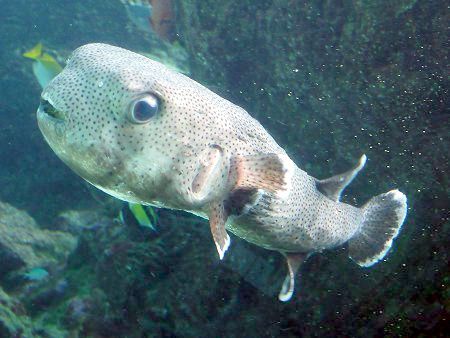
(144, 109)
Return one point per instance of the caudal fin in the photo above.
(383, 218)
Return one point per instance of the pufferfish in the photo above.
(149, 135)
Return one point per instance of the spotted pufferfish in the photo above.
(146, 134)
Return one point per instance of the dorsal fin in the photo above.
(332, 187)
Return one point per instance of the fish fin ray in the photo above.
(217, 221)
(332, 187)
(383, 218)
(294, 261)
(270, 172)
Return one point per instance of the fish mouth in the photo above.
(48, 110)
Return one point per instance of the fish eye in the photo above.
(144, 108)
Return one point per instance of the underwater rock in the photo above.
(330, 80)
(86, 311)
(326, 67)
(13, 322)
(262, 269)
(24, 245)
(49, 295)
(77, 221)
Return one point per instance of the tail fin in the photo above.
(383, 218)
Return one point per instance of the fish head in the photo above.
(119, 120)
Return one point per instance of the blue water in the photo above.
(329, 81)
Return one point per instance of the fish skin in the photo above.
(197, 136)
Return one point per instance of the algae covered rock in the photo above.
(330, 81)
(13, 322)
(24, 245)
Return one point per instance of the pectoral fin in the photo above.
(270, 172)
(293, 261)
(217, 219)
(332, 187)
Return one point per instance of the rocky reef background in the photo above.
(330, 80)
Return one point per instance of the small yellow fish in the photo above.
(142, 216)
(45, 67)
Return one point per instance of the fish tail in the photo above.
(383, 216)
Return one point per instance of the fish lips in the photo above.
(47, 110)
(51, 121)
